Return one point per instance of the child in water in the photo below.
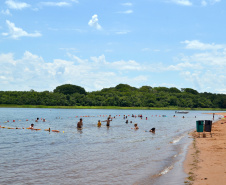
(32, 126)
(99, 123)
(135, 127)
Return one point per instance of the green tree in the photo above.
(69, 89)
(189, 90)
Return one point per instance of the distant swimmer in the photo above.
(99, 123)
(152, 130)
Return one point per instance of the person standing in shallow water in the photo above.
(108, 121)
(99, 123)
(80, 123)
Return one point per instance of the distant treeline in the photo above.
(122, 95)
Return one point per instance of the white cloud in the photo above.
(206, 71)
(94, 22)
(127, 4)
(76, 1)
(122, 32)
(30, 71)
(15, 32)
(69, 49)
(215, 1)
(6, 12)
(145, 49)
(206, 81)
(209, 2)
(126, 12)
(59, 4)
(204, 3)
(182, 2)
(16, 5)
(195, 44)
(212, 2)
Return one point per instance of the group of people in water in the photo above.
(109, 119)
(37, 119)
(80, 123)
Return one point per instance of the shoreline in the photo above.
(110, 107)
(205, 162)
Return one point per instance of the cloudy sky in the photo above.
(101, 43)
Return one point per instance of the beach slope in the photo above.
(205, 163)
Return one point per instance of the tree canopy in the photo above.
(69, 89)
(122, 95)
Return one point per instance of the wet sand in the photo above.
(205, 162)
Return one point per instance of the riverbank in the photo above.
(205, 162)
(108, 107)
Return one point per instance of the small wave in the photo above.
(166, 170)
(176, 140)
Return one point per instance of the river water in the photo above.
(101, 156)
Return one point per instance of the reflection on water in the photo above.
(92, 155)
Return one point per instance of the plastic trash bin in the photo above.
(208, 125)
(199, 125)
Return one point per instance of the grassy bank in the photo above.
(107, 107)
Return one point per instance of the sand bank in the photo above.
(205, 162)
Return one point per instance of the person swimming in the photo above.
(152, 130)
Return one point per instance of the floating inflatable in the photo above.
(55, 131)
(33, 128)
(36, 129)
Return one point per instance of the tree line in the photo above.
(122, 95)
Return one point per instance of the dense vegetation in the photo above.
(122, 95)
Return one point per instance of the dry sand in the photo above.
(205, 162)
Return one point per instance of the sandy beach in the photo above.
(205, 162)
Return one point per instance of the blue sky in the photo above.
(101, 43)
